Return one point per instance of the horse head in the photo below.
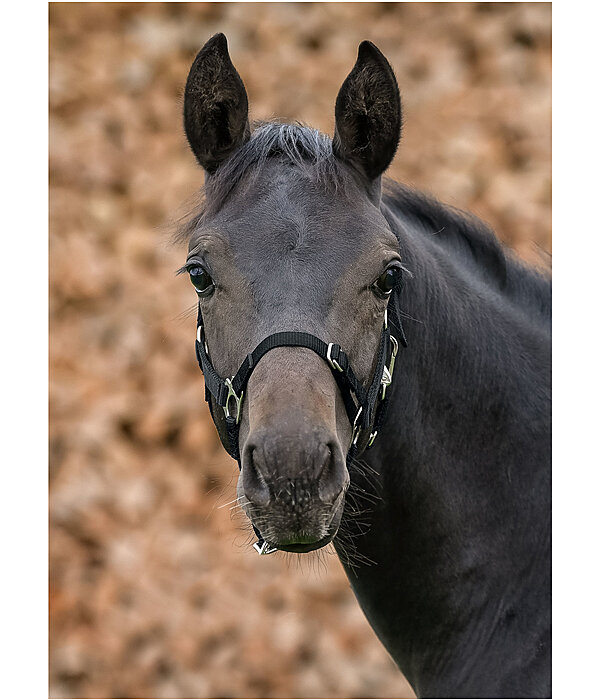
(291, 239)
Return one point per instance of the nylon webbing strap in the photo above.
(292, 339)
(219, 389)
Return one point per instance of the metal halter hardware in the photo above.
(263, 547)
(388, 372)
(238, 401)
(356, 428)
(199, 339)
(365, 407)
(332, 363)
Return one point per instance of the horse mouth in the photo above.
(304, 548)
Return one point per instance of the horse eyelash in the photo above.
(186, 268)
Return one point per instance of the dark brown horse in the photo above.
(427, 466)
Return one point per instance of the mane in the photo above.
(305, 148)
(472, 243)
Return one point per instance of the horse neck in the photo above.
(460, 534)
(473, 387)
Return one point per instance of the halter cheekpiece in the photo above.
(366, 406)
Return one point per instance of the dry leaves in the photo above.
(154, 592)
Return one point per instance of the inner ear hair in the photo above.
(368, 115)
(215, 109)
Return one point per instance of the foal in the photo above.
(427, 466)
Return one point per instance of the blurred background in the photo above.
(154, 590)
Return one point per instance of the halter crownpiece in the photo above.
(366, 407)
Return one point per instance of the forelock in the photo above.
(307, 150)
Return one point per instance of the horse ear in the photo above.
(368, 117)
(215, 107)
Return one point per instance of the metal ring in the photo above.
(232, 395)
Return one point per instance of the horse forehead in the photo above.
(291, 218)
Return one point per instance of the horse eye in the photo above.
(201, 280)
(387, 281)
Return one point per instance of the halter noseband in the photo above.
(366, 407)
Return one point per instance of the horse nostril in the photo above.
(332, 475)
(299, 472)
(255, 487)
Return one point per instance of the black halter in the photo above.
(365, 406)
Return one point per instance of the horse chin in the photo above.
(305, 544)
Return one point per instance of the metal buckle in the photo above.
(388, 372)
(238, 401)
(331, 361)
(264, 548)
(394, 353)
(386, 380)
(355, 428)
(199, 338)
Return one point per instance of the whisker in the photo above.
(411, 318)
(184, 315)
(235, 500)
